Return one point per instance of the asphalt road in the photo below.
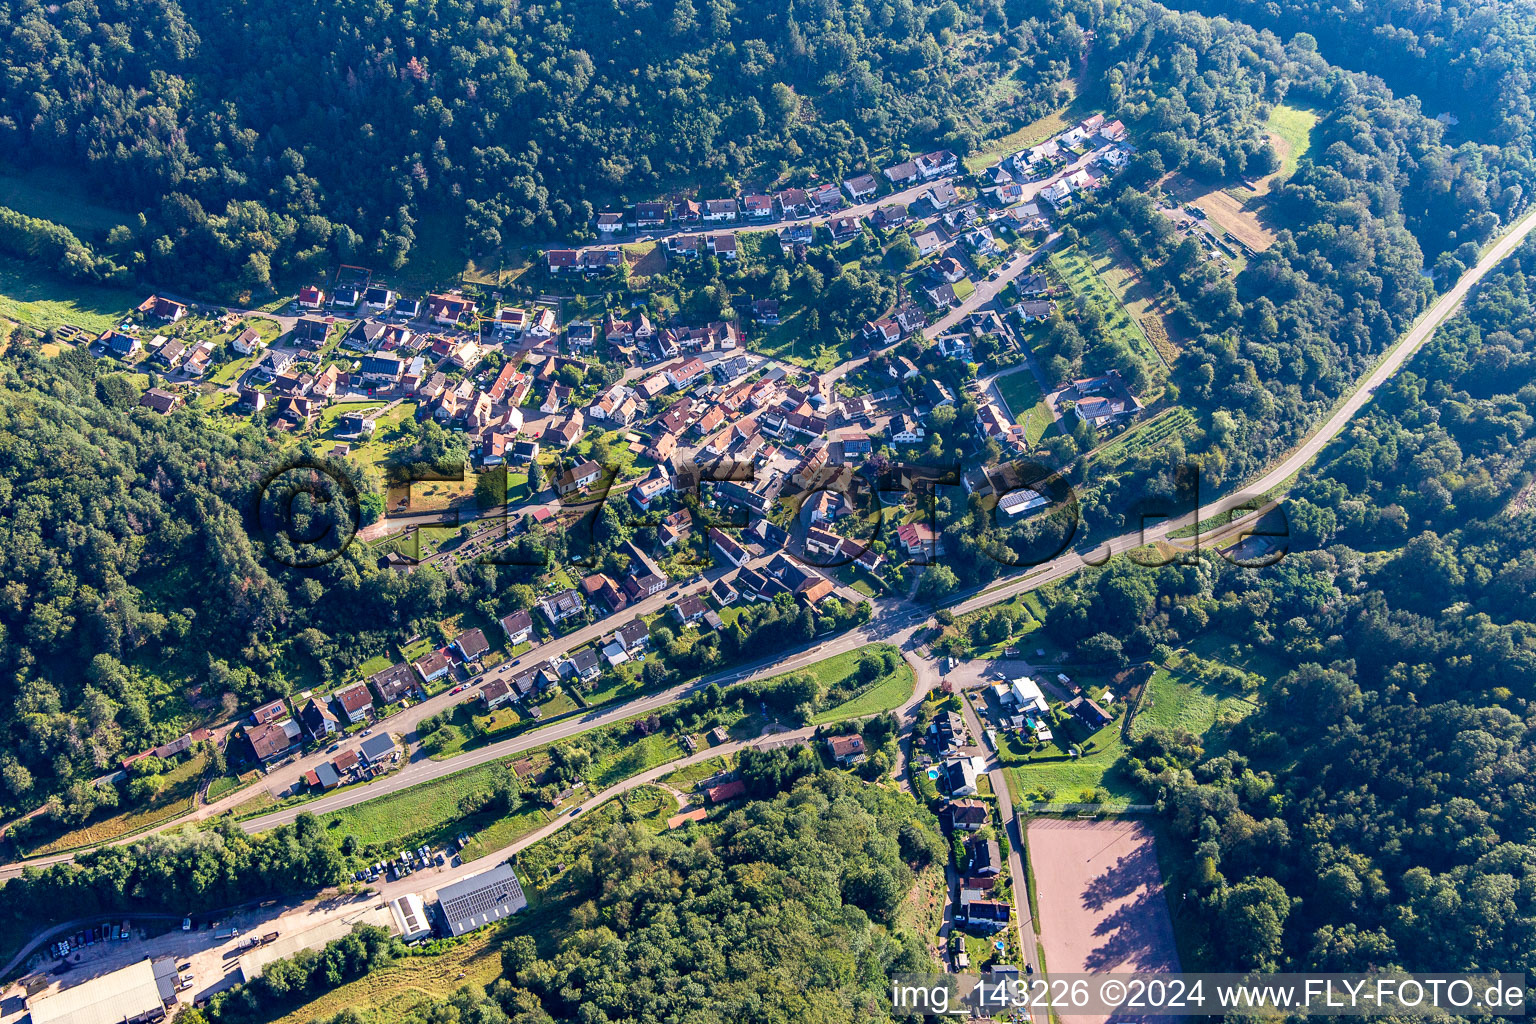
(894, 625)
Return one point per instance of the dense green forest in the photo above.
(372, 123)
(1473, 59)
(1378, 198)
(1378, 809)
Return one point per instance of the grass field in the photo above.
(1074, 266)
(650, 752)
(178, 797)
(1180, 701)
(884, 694)
(1031, 134)
(1290, 128)
(393, 993)
(1141, 301)
(1171, 423)
(1069, 781)
(1027, 404)
(53, 194)
(784, 341)
(415, 810)
(35, 299)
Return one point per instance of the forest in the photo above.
(481, 122)
(1379, 199)
(1472, 59)
(1377, 810)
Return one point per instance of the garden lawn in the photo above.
(1028, 406)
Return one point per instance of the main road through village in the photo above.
(894, 621)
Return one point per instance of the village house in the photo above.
(311, 297)
(518, 627)
(901, 174)
(861, 187)
(160, 401)
(494, 694)
(720, 210)
(941, 196)
(888, 217)
(161, 308)
(557, 608)
(650, 215)
(793, 202)
(846, 750)
(393, 684)
(355, 702)
(472, 644)
(728, 547)
(449, 310)
(432, 666)
(932, 165)
(919, 540)
(578, 477)
(722, 245)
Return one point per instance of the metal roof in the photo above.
(124, 995)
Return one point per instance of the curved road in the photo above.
(896, 624)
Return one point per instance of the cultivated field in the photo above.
(1101, 900)
(1223, 209)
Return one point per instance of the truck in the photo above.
(226, 933)
(269, 937)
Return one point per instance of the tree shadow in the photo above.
(1121, 879)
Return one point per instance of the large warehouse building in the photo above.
(480, 899)
(133, 994)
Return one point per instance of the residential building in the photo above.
(272, 740)
(861, 187)
(905, 429)
(578, 477)
(846, 750)
(319, 721)
(161, 401)
(161, 308)
(394, 684)
(891, 216)
(728, 547)
(927, 242)
(919, 540)
(518, 627)
(494, 694)
(472, 644)
(931, 165)
(557, 608)
(355, 702)
(432, 665)
(966, 815)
